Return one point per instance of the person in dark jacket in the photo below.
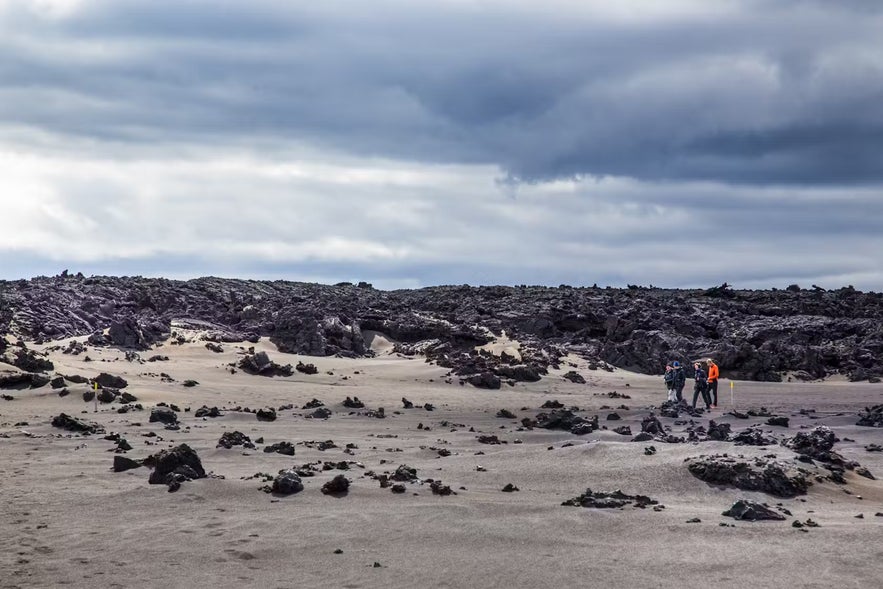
(680, 379)
(700, 386)
(669, 379)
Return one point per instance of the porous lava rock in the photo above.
(565, 419)
(235, 438)
(746, 510)
(718, 431)
(651, 425)
(123, 463)
(163, 415)
(759, 474)
(266, 414)
(208, 412)
(871, 417)
(73, 424)
(174, 466)
(753, 436)
(109, 380)
(817, 443)
(753, 334)
(404, 473)
(286, 448)
(605, 500)
(337, 486)
(260, 363)
(287, 482)
(575, 377)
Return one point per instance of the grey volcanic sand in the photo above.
(67, 520)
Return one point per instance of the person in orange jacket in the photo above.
(713, 375)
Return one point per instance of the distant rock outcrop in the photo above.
(757, 335)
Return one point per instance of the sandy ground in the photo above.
(67, 520)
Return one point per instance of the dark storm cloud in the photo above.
(750, 93)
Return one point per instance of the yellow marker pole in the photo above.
(732, 401)
(95, 388)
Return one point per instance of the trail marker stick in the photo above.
(732, 397)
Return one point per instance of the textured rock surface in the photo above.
(752, 511)
(764, 475)
(752, 334)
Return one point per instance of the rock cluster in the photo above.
(174, 466)
(744, 509)
(73, 424)
(260, 363)
(759, 474)
(871, 417)
(603, 500)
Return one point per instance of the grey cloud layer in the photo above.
(763, 92)
(678, 143)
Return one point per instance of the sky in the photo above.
(408, 143)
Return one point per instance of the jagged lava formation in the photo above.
(757, 335)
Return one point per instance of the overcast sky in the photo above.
(678, 143)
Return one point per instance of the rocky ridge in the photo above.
(758, 335)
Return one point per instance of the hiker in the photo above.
(700, 387)
(713, 375)
(679, 381)
(669, 379)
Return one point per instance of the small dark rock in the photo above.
(339, 485)
(744, 509)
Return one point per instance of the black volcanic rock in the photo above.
(320, 413)
(163, 415)
(122, 463)
(651, 425)
(207, 412)
(306, 368)
(763, 475)
(777, 420)
(604, 500)
(287, 482)
(286, 448)
(174, 466)
(260, 363)
(871, 417)
(109, 380)
(755, 335)
(485, 380)
(752, 511)
(575, 377)
(338, 486)
(753, 436)
(73, 424)
(567, 420)
(718, 431)
(266, 414)
(816, 444)
(29, 360)
(230, 439)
